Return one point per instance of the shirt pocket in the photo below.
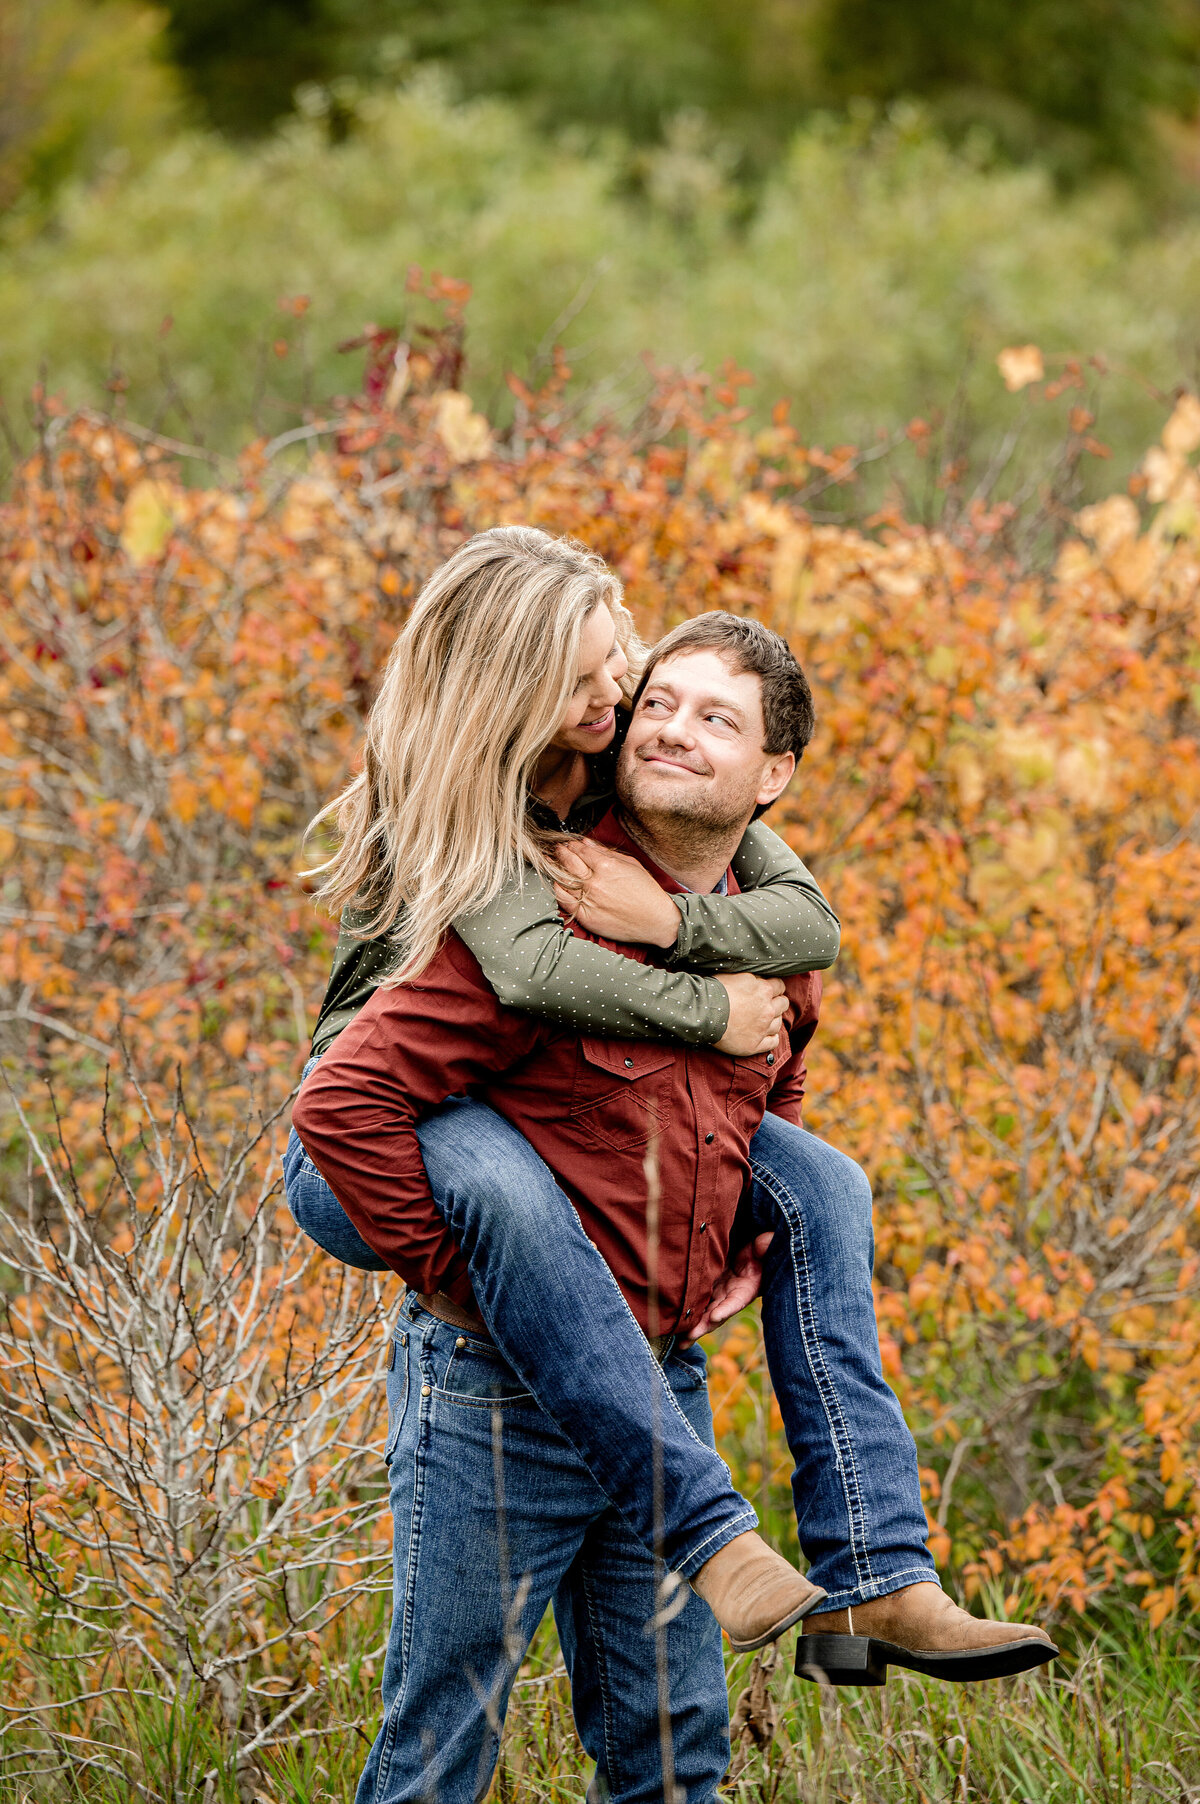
(752, 1078)
(621, 1093)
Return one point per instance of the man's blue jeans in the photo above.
(554, 1309)
(495, 1517)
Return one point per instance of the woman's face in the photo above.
(589, 722)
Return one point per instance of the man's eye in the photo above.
(653, 703)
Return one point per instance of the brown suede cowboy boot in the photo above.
(753, 1592)
(918, 1627)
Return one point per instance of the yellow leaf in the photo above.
(1027, 753)
(941, 666)
(1031, 852)
(1020, 365)
(1109, 523)
(465, 433)
(1181, 434)
(1164, 471)
(147, 521)
(234, 1038)
(1083, 772)
(968, 775)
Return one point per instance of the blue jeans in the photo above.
(552, 1306)
(495, 1517)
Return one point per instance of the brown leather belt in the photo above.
(447, 1310)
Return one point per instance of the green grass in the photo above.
(1117, 1721)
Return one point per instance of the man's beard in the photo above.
(693, 822)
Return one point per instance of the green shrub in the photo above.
(881, 271)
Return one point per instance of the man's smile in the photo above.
(656, 755)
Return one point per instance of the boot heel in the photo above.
(840, 1660)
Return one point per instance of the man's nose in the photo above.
(677, 729)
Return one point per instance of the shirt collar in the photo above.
(609, 831)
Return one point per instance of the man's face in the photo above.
(694, 749)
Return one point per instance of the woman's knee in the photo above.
(831, 1188)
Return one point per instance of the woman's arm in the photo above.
(781, 924)
(532, 961)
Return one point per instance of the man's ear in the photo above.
(776, 778)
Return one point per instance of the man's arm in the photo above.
(406, 1051)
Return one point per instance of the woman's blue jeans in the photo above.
(555, 1312)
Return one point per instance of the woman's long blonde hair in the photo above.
(475, 687)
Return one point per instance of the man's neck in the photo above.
(695, 856)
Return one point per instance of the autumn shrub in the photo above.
(1001, 800)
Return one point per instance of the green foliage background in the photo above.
(859, 203)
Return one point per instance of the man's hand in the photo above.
(757, 1006)
(614, 896)
(738, 1285)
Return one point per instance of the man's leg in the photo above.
(490, 1506)
(856, 1487)
(603, 1607)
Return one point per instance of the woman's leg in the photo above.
(553, 1308)
(555, 1311)
(856, 1487)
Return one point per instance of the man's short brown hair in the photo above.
(748, 646)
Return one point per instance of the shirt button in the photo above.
(629, 1064)
(703, 1226)
(686, 1313)
(709, 1138)
(770, 1058)
(426, 1390)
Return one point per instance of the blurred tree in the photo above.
(81, 81)
(1077, 80)
(630, 64)
(243, 63)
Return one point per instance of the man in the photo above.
(496, 1512)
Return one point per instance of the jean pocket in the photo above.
(397, 1393)
(476, 1374)
(686, 1368)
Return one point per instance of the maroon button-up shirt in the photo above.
(589, 1106)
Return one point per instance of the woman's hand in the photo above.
(757, 1006)
(614, 896)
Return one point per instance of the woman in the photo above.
(493, 735)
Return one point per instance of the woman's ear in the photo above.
(776, 778)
